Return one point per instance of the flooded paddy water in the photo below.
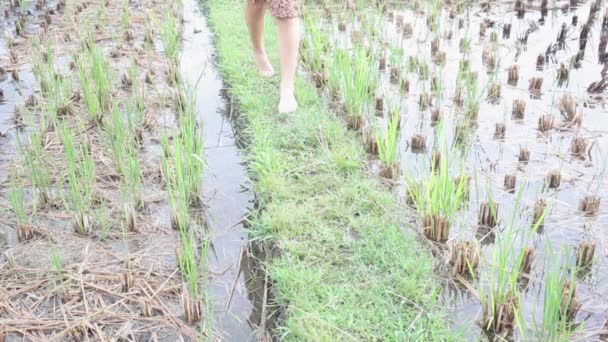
(509, 96)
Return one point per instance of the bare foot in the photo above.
(287, 103)
(263, 64)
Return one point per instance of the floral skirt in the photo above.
(282, 8)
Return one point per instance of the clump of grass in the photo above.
(560, 302)
(170, 37)
(437, 198)
(96, 80)
(357, 81)
(122, 139)
(35, 160)
(16, 195)
(80, 179)
(388, 147)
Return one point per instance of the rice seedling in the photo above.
(56, 89)
(585, 253)
(25, 231)
(388, 147)
(560, 302)
(553, 179)
(170, 37)
(57, 264)
(80, 180)
(314, 46)
(590, 205)
(464, 257)
(437, 198)
(96, 81)
(359, 81)
(122, 140)
(501, 303)
(34, 159)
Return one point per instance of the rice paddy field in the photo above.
(443, 179)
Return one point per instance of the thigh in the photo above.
(284, 8)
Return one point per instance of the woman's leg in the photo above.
(254, 15)
(289, 42)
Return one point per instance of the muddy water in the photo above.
(488, 159)
(226, 184)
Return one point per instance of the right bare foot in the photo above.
(263, 64)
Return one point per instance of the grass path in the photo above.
(346, 271)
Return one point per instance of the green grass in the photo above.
(347, 271)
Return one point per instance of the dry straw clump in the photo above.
(513, 75)
(519, 109)
(554, 179)
(524, 154)
(526, 262)
(488, 213)
(578, 147)
(418, 142)
(510, 183)
(585, 253)
(535, 85)
(590, 205)
(546, 123)
(464, 257)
